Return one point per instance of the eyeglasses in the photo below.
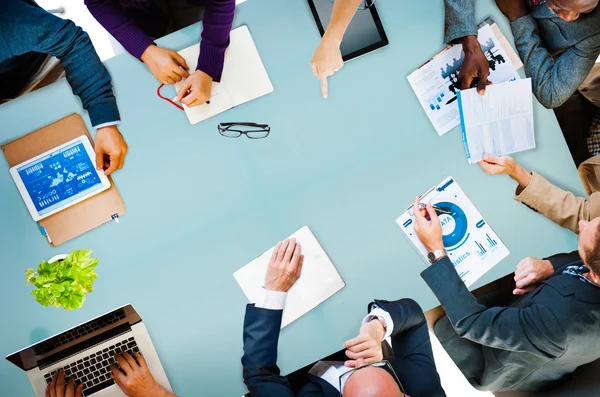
(383, 363)
(364, 4)
(251, 130)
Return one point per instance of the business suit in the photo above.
(413, 359)
(531, 344)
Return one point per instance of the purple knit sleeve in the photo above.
(218, 18)
(117, 21)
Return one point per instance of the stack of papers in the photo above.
(319, 279)
(499, 122)
(436, 82)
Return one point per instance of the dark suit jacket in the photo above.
(534, 342)
(412, 361)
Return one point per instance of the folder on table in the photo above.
(244, 77)
(81, 217)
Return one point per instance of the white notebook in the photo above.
(319, 279)
(244, 77)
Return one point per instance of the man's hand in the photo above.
(196, 90)
(366, 347)
(429, 230)
(110, 149)
(137, 380)
(167, 66)
(494, 165)
(475, 65)
(57, 387)
(512, 9)
(326, 60)
(530, 273)
(285, 266)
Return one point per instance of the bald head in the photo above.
(570, 10)
(371, 382)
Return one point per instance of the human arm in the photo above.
(197, 88)
(553, 80)
(134, 377)
(533, 329)
(327, 58)
(42, 32)
(166, 65)
(558, 205)
(460, 27)
(262, 324)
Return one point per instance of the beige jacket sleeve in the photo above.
(558, 205)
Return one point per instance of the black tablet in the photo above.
(364, 34)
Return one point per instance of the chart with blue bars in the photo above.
(490, 243)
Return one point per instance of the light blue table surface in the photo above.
(200, 206)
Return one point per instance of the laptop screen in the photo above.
(76, 339)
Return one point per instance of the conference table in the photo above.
(200, 205)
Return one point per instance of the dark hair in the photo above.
(592, 256)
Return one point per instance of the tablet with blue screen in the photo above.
(59, 178)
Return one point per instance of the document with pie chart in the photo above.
(472, 245)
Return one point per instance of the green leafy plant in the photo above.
(64, 283)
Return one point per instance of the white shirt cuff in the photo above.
(272, 300)
(379, 312)
(106, 124)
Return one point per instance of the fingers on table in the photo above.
(324, 87)
(275, 253)
(282, 250)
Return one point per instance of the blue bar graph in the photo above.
(492, 243)
(482, 251)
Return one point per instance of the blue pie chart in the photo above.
(459, 232)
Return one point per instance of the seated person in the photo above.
(327, 58)
(35, 46)
(135, 23)
(560, 206)
(133, 377)
(557, 40)
(537, 339)
(411, 372)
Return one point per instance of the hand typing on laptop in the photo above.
(58, 388)
(134, 377)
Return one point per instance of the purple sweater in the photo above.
(131, 25)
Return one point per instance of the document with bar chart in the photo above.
(472, 245)
(499, 122)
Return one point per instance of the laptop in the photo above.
(85, 352)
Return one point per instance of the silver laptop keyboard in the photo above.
(93, 371)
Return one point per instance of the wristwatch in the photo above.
(436, 255)
(381, 320)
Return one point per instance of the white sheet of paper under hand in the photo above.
(319, 279)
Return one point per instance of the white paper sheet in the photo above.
(499, 122)
(472, 245)
(436, 82)
(319, 279)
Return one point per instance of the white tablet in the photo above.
(59, 178)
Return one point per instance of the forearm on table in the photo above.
(553, 81)
(560, 206)
(532, 329)
(459, 20)
(216, 26)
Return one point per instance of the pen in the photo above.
(437, 209)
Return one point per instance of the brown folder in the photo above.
(81, 217)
